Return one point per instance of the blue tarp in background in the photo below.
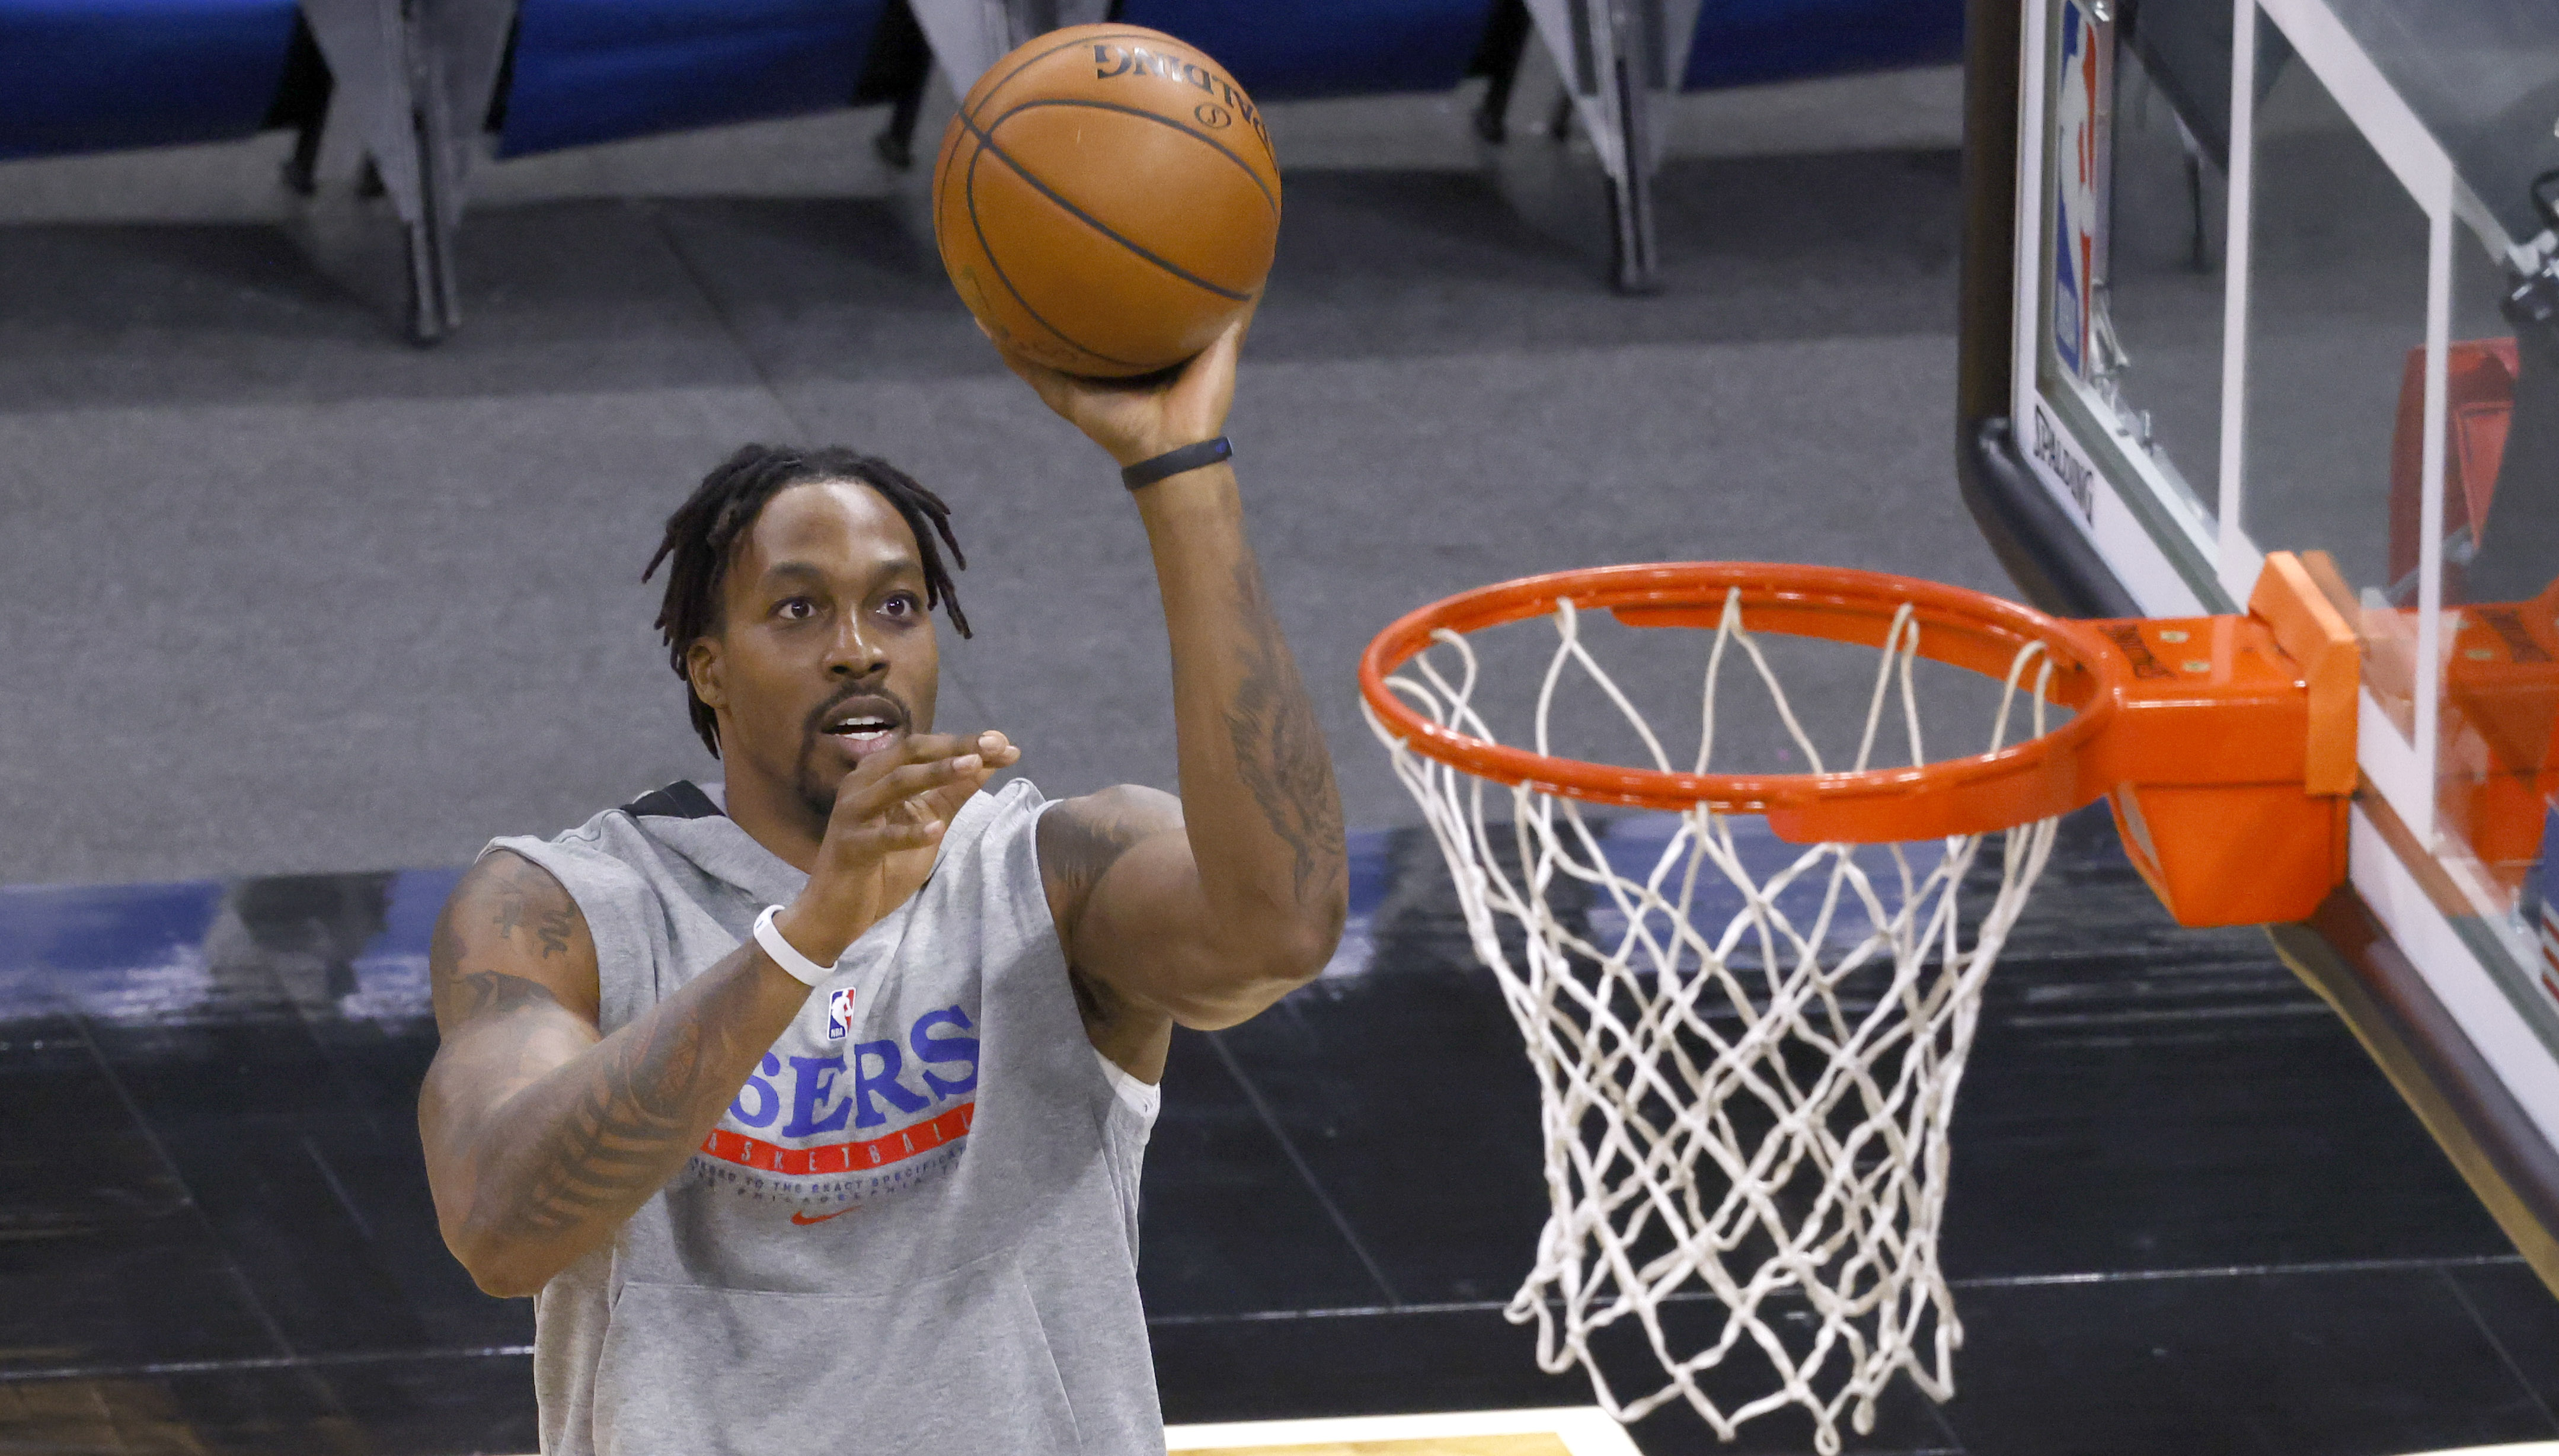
(1279, 49)
(1747, 42)
(79, 75)
(594, 71)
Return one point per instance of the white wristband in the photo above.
(784, 953)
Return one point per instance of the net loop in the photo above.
(1746, 1052)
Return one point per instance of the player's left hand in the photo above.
(1140, 419)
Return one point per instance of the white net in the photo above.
(1746, 1052)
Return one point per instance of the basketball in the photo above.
(1107, 201)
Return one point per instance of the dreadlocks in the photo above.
(703, 538)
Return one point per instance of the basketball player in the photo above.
(809, 1106)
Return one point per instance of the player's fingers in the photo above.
(923, 748)
(1055, 390)
(945, 802)
(1223, 351)
(853, 794)
(913, 748)
(866, 802)
(901, 784)
(1241, 330)
(920, 748)
(885, 837)
(1027, 371)
(1200, 397)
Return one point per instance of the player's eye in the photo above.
(796, 609)
(901, 604)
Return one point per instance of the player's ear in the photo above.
(702, 669)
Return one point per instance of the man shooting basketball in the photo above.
(811, 1114)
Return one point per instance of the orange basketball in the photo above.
(1107, 201)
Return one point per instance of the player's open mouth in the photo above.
(864, 725)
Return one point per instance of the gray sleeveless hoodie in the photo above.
(914, 1229)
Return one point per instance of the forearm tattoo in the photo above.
(1280, 749)
(629, 1128)
(596, 1126)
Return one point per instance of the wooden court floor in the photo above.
(1564, 1431)
(1576, 1430)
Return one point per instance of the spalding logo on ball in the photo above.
(1107, 201)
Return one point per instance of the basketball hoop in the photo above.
(1748, 1061)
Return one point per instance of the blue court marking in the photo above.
(1632, 844)
(146, 954)
(140, 952)
(137, 953)
(1371, 874)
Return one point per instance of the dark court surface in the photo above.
(2188, 1215)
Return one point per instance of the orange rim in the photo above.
(2018, 784)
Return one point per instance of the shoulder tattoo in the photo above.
(523, 897)
(1078, 842)
(495, 994)
(504, 906)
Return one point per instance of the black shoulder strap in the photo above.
(681, 799)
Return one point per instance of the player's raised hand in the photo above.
(896, 800)
(992, 749)
(1141, 418)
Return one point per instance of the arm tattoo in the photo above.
(548, 1135)
(631, 1118)
(1078, 842)
(495, 993)
(528, 898)
(1280, 747)
(460, 995)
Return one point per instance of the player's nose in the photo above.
(854, 653)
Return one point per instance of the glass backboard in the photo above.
(2282, 281)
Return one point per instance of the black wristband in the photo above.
(1178, 462)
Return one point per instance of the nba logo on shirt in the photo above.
(840, 1014)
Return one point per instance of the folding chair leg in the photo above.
(416, 80)
(1039, 17)
(1601, 49)
(1497, 59)
(895, 143)
(1633, 266)
(427, 319)
(967, 36)
(435, 301)
(302, 169)
(434, 288)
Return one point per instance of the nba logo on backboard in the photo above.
(2541, 903)
(840, 1014)
(2079, 166)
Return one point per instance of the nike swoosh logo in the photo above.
(803, 1220)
